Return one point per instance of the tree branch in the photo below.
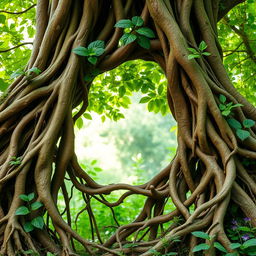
(225, 6)
(21, 12)
(7, 50)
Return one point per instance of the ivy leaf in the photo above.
(28, 227)
(248, 123)
(146, 32)
(143, 41)
(23, 210)
(242, 134)
(193, 56)
(24, 197)
(202, 46)
(81, 51)
(31, 196)
(222, 98)
(219, 247)
(137, 21)
(201, 247)
(234, 123)
(124, 24)
(201, 234)
(92, 60)
(36, 205)
(38, 222)
(87, 116)
(98, 44)
(128, 38)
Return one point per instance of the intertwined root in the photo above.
(36, 124)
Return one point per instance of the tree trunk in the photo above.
(37, 134)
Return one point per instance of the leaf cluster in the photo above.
(198, 53)
(37, 222)
(134, 31)
(92, 52)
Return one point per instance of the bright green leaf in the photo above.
(31, 196)
(146, 32)
(222, 98)
(206, 53)
(81, 51)
(202, 46)
(28, 227)
(36, 205)
(201, 247)
(145, 99)
(98, 44)
(92, 60)
(242, 134)
(226, 112)
(201, 234)
(38, 222)
(99, 51)
(79, 123)
(23, 210)
(87, 116)
(249, 243)
(124, 24)
(234, 246)
(35, 70)
(128, 38)
(194, 51)
(24, 197)
(193, 56)
(137, 21)
(220, 247)
(248, 123)
(234, 123)
(122, 91)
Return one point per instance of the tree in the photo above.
(213, 167)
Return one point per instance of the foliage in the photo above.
(200, 52)
(37, 222)
(135, 32)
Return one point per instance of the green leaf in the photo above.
(124, 24)
(3, 85)
(242, 134)
(23, 210)
(145, 99)
(222, 98)
(87, 116)
(99, 51)
(31, 196)
(232, 254)
(2, 18)
(17, 73)
(201, 247)
(128, 38)
(222, 106)
(219, 247)
(98, 44)
(130, 245)
(28, 227)
(194, 51)
(146, 32)
(92, 60)
(151, 106)
(137, 21)
(226, 112)
(248, 123)
(81, 51)
(202, 46)
(193, 56)
(234, 246)
(249, 243)
(234, 123)
(122, 91)
(206, 53)
(143, 41)
(38, 222)
(79, 123)
(36, 205)
(237, 105)
(35, 70)
(24, 197)
(201, 234)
